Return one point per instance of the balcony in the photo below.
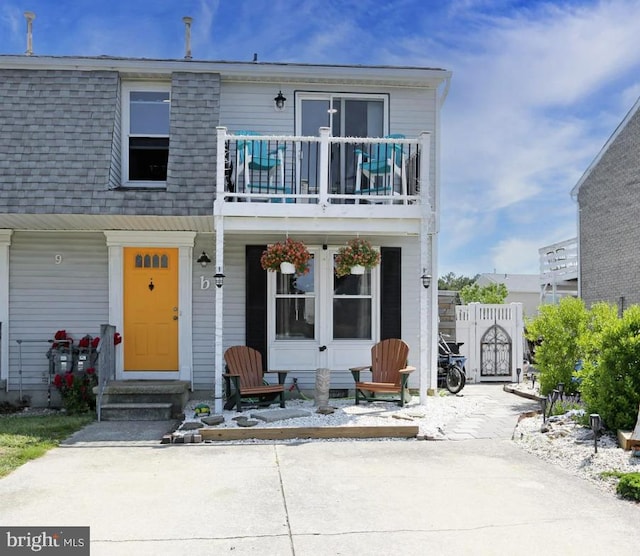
(558, 270)
(323, 176)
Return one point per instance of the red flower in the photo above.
(95, 342)
(57, 381)
(116, 339)
(84, 342)
(91, 371)
(69, 380)
(61, 335)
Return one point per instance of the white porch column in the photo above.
(428, 334)
(220, 159)
(324, 165)
(5, 242)
(219, 308)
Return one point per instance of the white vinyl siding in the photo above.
(45, 297)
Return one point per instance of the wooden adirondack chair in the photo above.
(389, 372)
(244, 371)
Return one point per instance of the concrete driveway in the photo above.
(318, 498)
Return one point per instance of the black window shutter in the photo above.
(390, 292)
(256, 301)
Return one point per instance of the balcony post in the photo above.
(220, 157)
(324, 165)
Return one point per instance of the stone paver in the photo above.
(498, 418)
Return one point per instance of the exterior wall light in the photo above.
(279, 102)
(426, 279)
(218, 279)
(204, 259)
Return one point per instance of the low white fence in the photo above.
(478, 323)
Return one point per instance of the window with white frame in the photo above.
(145, 131)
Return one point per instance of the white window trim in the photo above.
(324, 296)
(330, 96)
(126, 89)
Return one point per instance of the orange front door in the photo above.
(150, 309)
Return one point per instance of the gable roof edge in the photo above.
(604, 149)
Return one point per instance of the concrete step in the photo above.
(138, 411)
(174, 392)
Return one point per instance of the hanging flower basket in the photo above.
(357, 253)
(289, 251)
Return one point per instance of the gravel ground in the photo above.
(569, 445)
(430, 418)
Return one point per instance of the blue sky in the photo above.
(537, 87)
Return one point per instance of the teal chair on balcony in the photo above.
(380, 166)
(261, 165)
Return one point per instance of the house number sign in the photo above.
(57, 259)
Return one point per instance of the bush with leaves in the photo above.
(611, 373)
(491, 293)
(629, 486)
(557, 332)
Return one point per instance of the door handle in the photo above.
(322, 348)
(175, 317)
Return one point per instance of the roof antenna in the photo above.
(187, 37)
(30, 16)
(255, 57)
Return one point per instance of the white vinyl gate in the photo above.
(492, 340)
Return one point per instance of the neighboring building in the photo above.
(608, 231)
(114, 184)
(522, 288)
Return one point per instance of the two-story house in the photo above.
(127, 184)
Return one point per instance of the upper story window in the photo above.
(145, 132)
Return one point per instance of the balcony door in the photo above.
(347, 115)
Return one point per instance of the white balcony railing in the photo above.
(559, 262)
(320, 170)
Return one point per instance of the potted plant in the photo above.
(355, 257)
(289, 257)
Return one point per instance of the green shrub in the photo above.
(557, 330)
(629, 486)
(611, 378)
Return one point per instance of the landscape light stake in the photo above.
(543, 406)
(554, 398)
(596, 422)
(518, 371)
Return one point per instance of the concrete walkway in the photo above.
(476, 496)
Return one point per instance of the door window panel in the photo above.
(352, 307)
(296, 305)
